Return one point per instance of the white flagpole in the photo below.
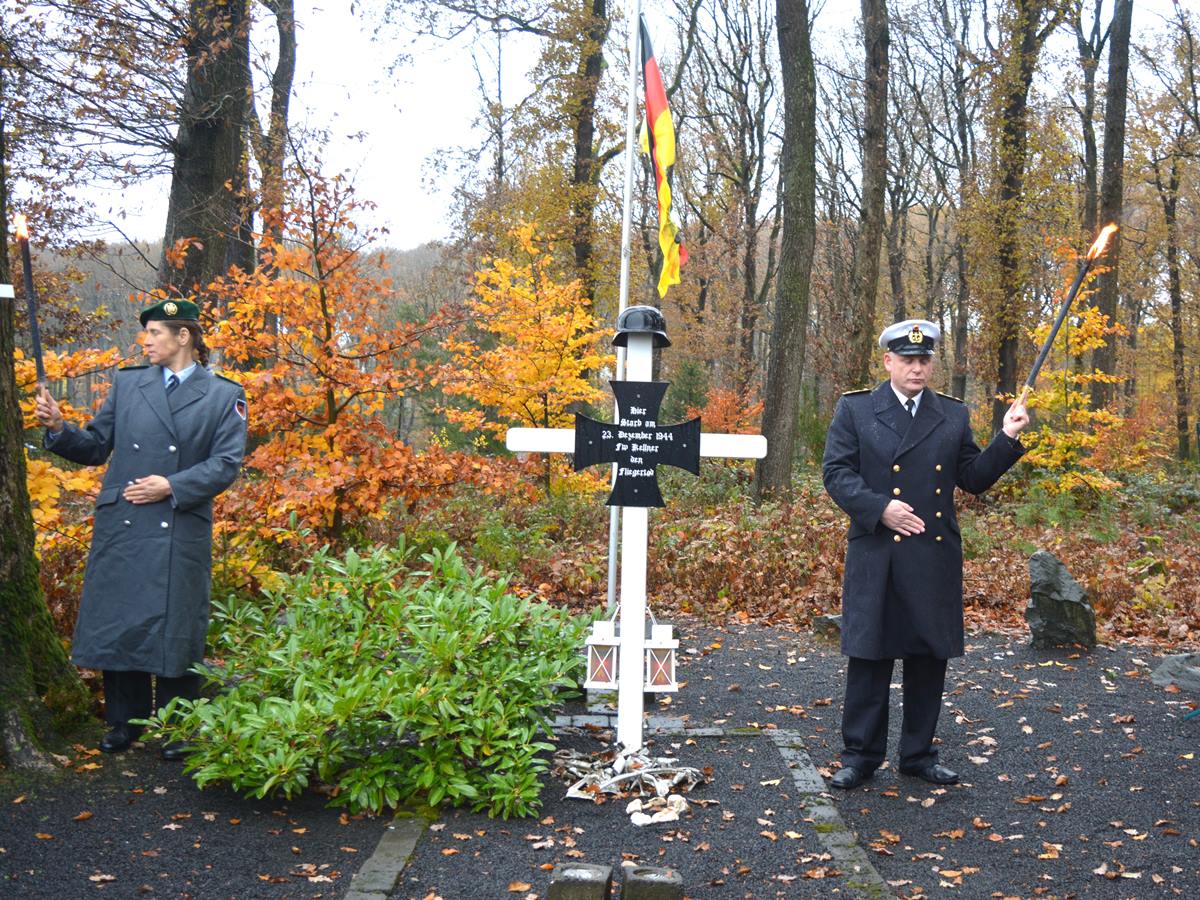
(631, 107)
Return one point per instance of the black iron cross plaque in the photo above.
(637, 443)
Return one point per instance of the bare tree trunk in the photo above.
(781, 393)
(39, 688)
(865, 277)
(209, 147)
(1025, 43)
(586, 175)
(897, 239)
(270, 144)
(1112, 189)
(1091, 46)
(1168, 195)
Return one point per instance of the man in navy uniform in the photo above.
(893, 457)
(176, 434)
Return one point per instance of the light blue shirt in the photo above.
(182, 374)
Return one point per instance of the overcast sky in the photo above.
(425, 106)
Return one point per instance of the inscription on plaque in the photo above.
(637, 443)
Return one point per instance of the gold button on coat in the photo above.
(939, 513)
(937, 490)
(896, 491)
(896, 468)
(938, 538)
(938, 467)
(896, 538)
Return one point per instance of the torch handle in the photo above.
(1058, 320)
(31, 301)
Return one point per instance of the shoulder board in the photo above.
(949, 397)
(131, 368)
(859, 391)
(230, 380)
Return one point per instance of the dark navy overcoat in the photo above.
(902, 595)
(146, 587)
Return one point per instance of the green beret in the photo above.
(170, 309)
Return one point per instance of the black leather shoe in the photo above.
(847, 778)
(934, 774)
(175, 751)
(118, 740)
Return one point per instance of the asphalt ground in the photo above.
(135, 826)
(1080, 779)
(744, 833)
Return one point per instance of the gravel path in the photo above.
(135, 826)
(1079, 780)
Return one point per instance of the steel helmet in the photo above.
(641, 320)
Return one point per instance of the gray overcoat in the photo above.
(902, 596)
(146, 587)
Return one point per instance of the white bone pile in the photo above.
(656, 782)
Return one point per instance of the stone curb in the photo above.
(380, 874)
(832, 831)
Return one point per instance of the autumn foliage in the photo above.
(532, 344)
(528, 353)
(1077, 448)
(324, 362)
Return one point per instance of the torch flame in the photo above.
(21, 226)
(1101, 244)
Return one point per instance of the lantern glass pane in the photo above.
(602, 664)
(661, 663)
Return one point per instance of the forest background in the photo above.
(945, 159)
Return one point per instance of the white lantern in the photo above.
(603, 655)
(660, 660)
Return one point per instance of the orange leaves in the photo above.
(50, 484)
(176, 254)
(324, 359)
(728, 412)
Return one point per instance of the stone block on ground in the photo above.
(580, 881)
(827, 627)
(1058, 613)
(652, 883)
(1182, 669)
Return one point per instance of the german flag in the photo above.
(659, 143)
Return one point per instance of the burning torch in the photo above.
(1094, 252)
(30, 296)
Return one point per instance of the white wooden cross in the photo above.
(635, 530)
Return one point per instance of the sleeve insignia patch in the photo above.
(239, 406)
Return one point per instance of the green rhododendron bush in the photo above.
(386, 678)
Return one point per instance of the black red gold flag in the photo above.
(659, 142)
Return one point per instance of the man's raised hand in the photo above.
(46, 410)
(1015, 419)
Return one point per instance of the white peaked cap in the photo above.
(928, 329)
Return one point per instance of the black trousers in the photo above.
(131, 695)
(865, 714)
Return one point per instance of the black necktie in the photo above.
(911, 405)
(173, 382)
